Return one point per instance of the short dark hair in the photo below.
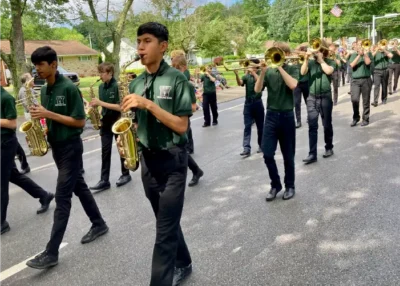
(106, 67)
(44, 54)
(255, 61)
(153, 28)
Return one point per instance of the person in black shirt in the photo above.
(111, 111)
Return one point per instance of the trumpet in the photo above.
(366, 44)
(382, 44)
(275, 57)
(317, 45)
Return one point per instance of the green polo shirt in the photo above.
(187, 74)
(319, 82)
(62, 97)
(280, 96)
(249, 81)
(302, 78)
(360, 70)
(7, 110)
(381, 61)
(171, 91)
(396, 57)
(108, 92)
(208, 85)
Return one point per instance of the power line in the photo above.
(308, 5)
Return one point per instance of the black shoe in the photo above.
(43, 261)
(354, 123)
(288, 194)
(384, 101)
(390, 92)
(196, 178)
(5, 227)
(190, 152)
(206, 125)
(328, 153)
(25, 171)
(298, 124)
(215, 123)
(374, 104)
(181, 274)
(272, 194)
(245, 154)
(94, 232)
(349, 93)
(310, 159)
(364, 123)
(101, 186)
(124, 179)
(82, 171)
(45, 203)
(259, 150)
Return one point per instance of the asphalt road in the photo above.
(340, 229)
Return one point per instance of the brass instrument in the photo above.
(203, 68)
(93, 111)
(244, 63)
(366, 44)
(275, 57)
(35, 136)
(124, 127)
(382, 44)
(317, 46)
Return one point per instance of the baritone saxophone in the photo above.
(93, 111)
(34, 135)
(124, 127)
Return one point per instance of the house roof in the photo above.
(63, 48)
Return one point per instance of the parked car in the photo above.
(39, 82)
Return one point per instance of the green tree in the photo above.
(256, 41)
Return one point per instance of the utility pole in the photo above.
(308, 21)
(321, 28)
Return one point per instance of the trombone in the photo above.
(382, 44)
(244, 63)
(366, 44)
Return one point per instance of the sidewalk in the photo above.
(89, 133)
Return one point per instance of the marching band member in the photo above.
(343, 65)
(279, 123)
(335, 77)
(62, 106)
(301, 88)
(180, 63)
(110, 111)
(162, 123)
(361, 83)
(395, 66)
(253, 109)
(320, 101)
(209, 97)
(9, 171)
(381, 58)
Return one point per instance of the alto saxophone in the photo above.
(93, 111)
(124, 127)
(35, 136)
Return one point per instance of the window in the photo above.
(85, 58)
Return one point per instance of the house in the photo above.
(72, 55)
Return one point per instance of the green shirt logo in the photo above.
(60, 100)
(164, 92)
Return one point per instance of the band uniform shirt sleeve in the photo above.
(7, 110)
(244, 80)
(396, 57)
(202, 77)
(381, 61)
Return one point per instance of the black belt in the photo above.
(252, 100)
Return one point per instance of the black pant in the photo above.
(253, 111)
(335, 84)
(396, 74)
(10, 173)
(343, 73)
(381, 77)
(301, 88)
(192, 165)
(190, 144)
(164, 181)
(279, 127)
(106, 148)
(68, 159)
(390, 80)
(319, 105)
(361, 86)
(210, 100)
(21, 156)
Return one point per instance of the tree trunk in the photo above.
(17, 60)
